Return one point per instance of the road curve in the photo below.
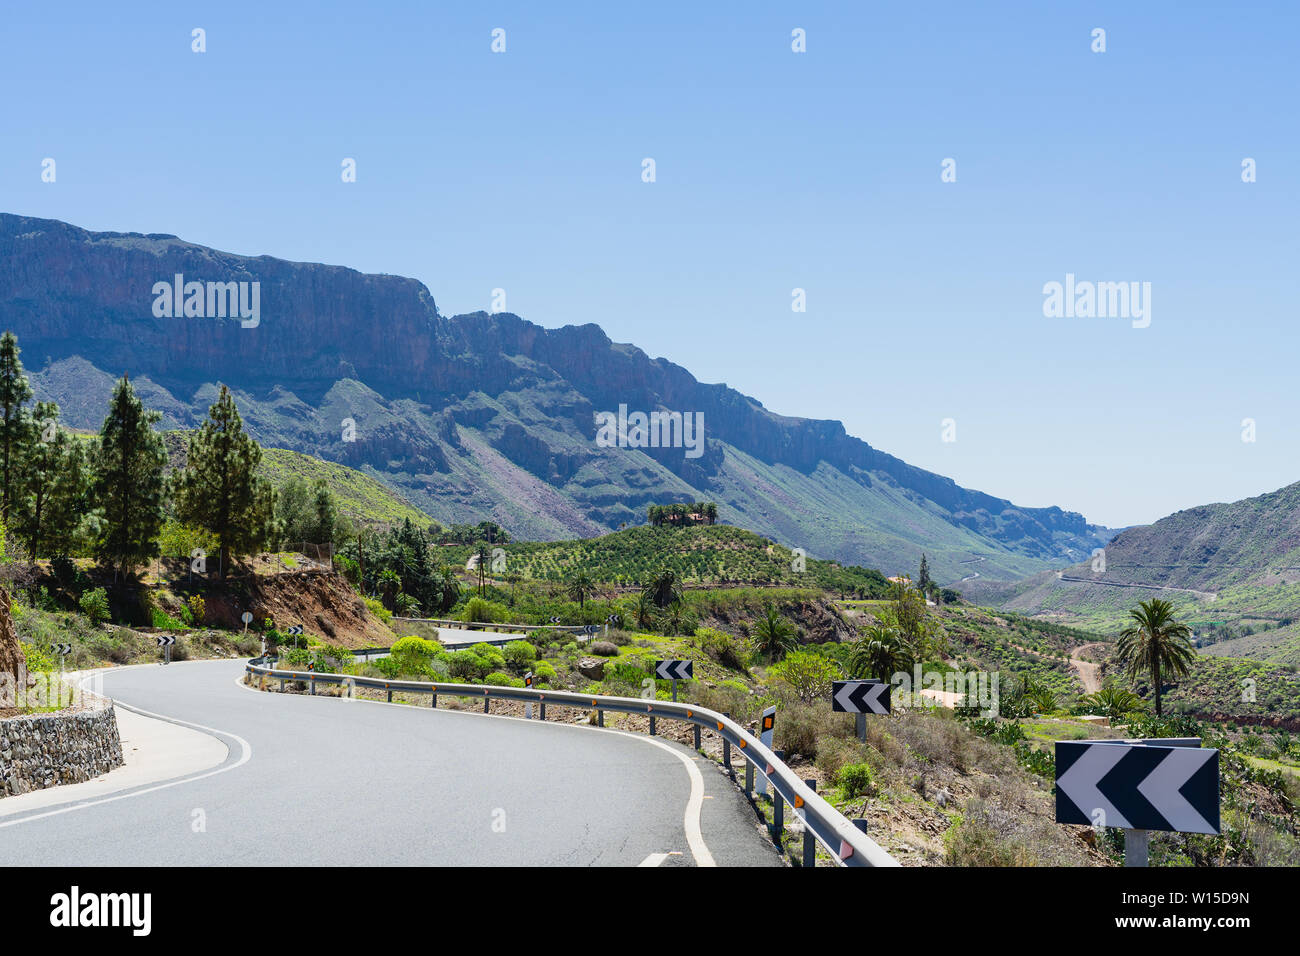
(323, 781)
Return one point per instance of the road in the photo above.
(323, 781)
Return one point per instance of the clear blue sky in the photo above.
(775, 170)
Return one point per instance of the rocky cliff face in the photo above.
(332, 345)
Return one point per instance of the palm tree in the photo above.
(483, 556)
(1155, 643)
(881, 653)
(664, 588)
(773, 637)
(581, 588)
(389, 584)
(1113, 701)
(644, 611)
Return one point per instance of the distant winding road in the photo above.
(317, 780)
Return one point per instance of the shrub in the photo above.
(856, 779)
(162, 619)
(502, 679)
(807, 674)
(489, 654)
(197, 607)
(64, 569)
(731, 652)
(520, 655)
(480, 611)
(467, 666)
(799, 725)
(378, 610)
(544, 671)
(413, 655)
(94, 604)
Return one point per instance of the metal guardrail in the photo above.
(489, 626)
(844, 841)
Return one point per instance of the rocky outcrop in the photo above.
(46, 750)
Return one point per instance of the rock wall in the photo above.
(45, 750)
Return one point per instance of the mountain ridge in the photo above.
(479, 415)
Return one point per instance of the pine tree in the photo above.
(923, 576)
(128, 483)
(326, 514)
(15, 422)
(219, 489)
(51, 487)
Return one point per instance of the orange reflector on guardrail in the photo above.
(798, 801)
(742, 743)
(719, 725)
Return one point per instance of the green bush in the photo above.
(162, 619)
(544, 671)
(479, 611)
(856, 780)
(501, 679)
(520, 655)
(415, 655)
(94, 604)
(491, 655)
(378, 610)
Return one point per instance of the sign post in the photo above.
(247, 618)
(166, 644)
(1167, 784)
(766, 731)
(674, 671)
(528, 705)
(860, 697)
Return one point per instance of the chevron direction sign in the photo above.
(294, 629)
(165, 641)
(860, 697)
(674, 670)
(62, 649)
(1137, 786)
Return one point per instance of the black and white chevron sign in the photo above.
(674, 670)
(860, 697)
(1137, 786)
(165, 641)
(62, 649)
(294, 629)
(613, 619)
(555, 620)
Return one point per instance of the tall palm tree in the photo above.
(1155, 643)
(881, 653)
(581, 588)
(483, 554)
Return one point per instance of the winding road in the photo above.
(317, 780)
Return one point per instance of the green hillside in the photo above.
(357, 495)
(706, 554)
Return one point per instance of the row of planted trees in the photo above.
(108, 495)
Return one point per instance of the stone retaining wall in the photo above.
(44, 750)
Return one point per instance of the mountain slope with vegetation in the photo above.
(481, 417)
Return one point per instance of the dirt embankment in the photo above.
(321, 601)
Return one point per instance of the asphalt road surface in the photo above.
(316, 780)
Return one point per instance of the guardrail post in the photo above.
(860, 823)
(543, 710)
(487, 703)
(749, 777)
(809, 841)
(696, 728)
(600, 718)
(434, 703)
(778, 808)
(312, 682)
(652, 725)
